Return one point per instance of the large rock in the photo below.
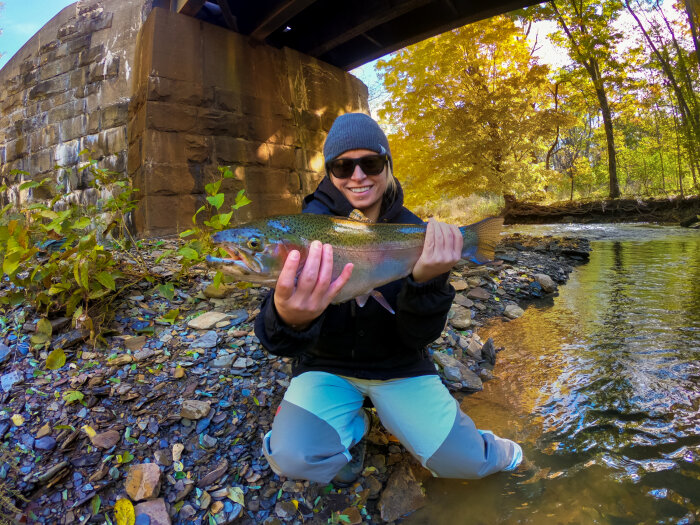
(460, 317)
(478, 293)
(546, 282)
(154, 509)
(105, 440)
(402, 495)
(194, 409)
(450, 365)
(513, 311)
(143, 481)
(207, 321)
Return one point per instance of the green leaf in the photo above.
(42, 334)
(194, 217)
(171, 316)
(217, 279)
(29, 184)
(95, 504)
(11, 263)
(216, 200)
(213, 187)
(188, 253)
(106, 280)
(187, 233)
(56, 359)
(167, 290)
(126, 457)
(212, 520)
(344, 518)
(81, 223)
(85, 275)
(71, 396)
(225, 218)
(241, 200)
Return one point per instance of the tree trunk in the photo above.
(614, 186)
(693, 11)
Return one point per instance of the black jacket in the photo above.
(367, 342)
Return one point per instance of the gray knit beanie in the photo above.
(355, 131)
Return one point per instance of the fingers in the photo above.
(286, 280)
(340, 281)
(309, 274)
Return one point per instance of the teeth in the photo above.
(360, 190)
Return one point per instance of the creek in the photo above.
(601, 386)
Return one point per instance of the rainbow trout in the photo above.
(380, 253)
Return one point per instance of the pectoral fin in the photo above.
(357, 215)
(362, 300)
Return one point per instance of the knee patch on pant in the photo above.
(303, 446)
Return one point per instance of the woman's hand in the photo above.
(299, 303)
(441, 251)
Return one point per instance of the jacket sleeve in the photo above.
(422, 310)
(280, 339)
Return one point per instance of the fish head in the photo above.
(255, 252)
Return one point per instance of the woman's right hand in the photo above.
(301, 300)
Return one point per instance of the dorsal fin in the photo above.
(357, 215)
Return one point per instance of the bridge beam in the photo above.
(188, 7)
(278, 17)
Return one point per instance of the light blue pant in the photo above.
(320, 418)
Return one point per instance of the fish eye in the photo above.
(254, 244)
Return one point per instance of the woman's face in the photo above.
(363, 191)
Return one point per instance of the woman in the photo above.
(344, 353)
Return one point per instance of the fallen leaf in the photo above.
(56, 359)
(18, 420)
(124, 512)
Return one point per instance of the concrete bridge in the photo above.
(168, 90)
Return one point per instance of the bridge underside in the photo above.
(344, 34)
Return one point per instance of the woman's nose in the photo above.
(358, 174)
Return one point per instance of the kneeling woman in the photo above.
(344, 353)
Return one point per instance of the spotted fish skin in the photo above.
(380, 253)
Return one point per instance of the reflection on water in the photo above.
(601, 388)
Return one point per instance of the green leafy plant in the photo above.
(59, 256)
(198, 243)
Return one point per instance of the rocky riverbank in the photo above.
(169, 413)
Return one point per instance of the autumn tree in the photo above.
(470, 112)
(590, 38)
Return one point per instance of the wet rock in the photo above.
(143, 481)
(194, 409)
(121, 360)
(135, 343)
(224, 361)
(7, 381)
(106, 440)
(468, 379)
(144, 354)
(208, 340)
(352, 516)
(155, 509)
(238, 316)
(513, 311)
(474, 349)
(285, 510)
(4, 353)
(70, 339)
(43, 431)
(478, 293)
(488, 351)
(163, 457)
(207, 320)
(177, 451)
(402, 495)
(462, 300)
(459, 285)
(374, 486)
(45, 443)
(546, 282)
(460, 317)
(186, 512)
(215, 474)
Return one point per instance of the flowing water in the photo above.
(602, 389)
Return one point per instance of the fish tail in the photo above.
(480, 239)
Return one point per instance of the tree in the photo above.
(470, 112)
(591, 40)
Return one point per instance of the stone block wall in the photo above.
(206, 97)
(67, 89)
(167, 99)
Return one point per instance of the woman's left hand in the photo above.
(441, 251)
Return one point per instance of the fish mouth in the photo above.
(238, 262)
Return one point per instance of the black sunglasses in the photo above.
(344, 168)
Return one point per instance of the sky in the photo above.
(20, 19)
